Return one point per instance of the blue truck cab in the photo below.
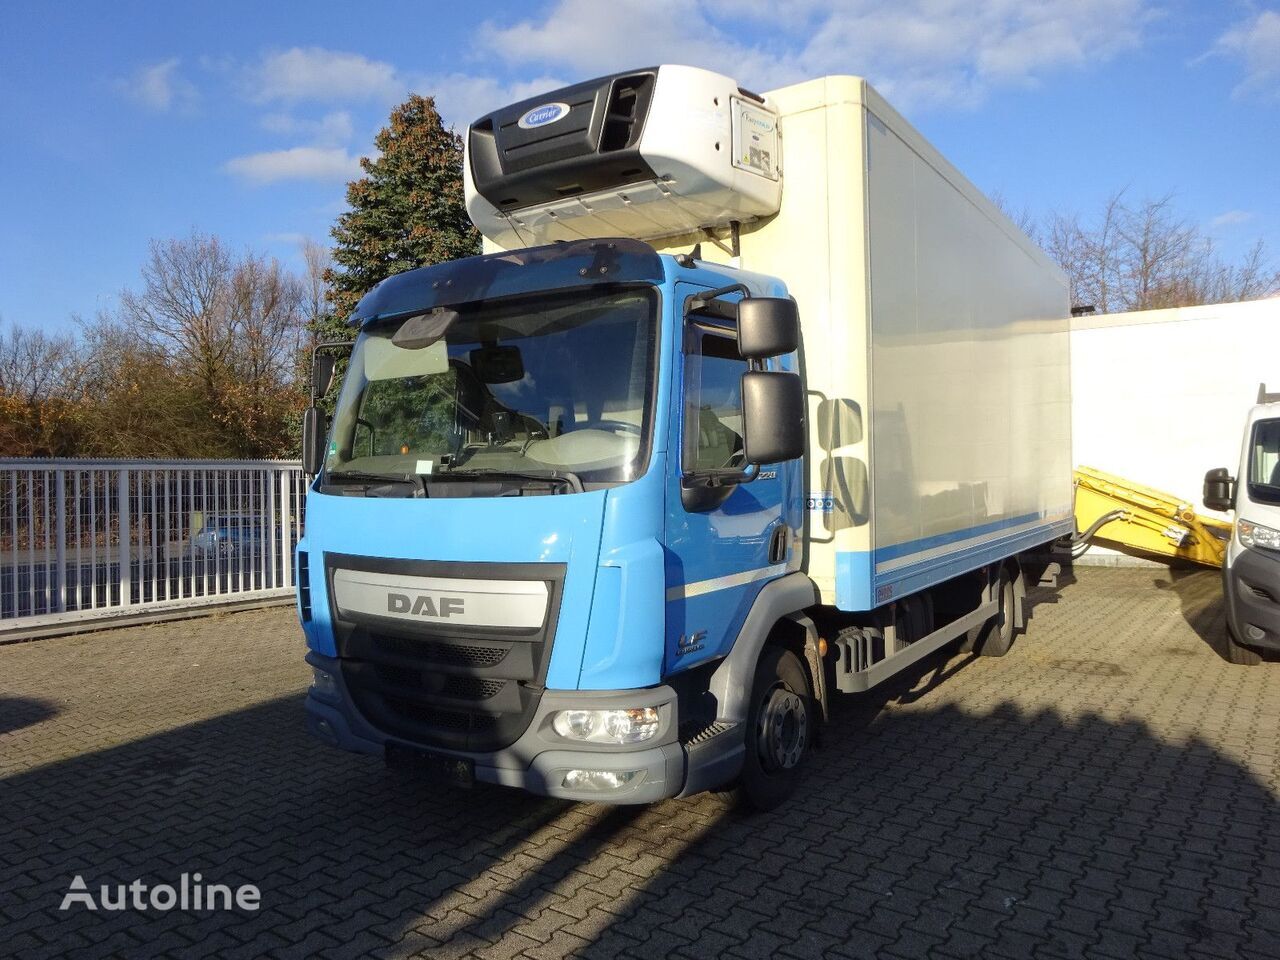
(536, 536)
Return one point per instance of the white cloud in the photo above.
(462, 98)
(587, 37)
(332, 129)
(1255, 43)
(314, 73)
(158, 87)
(1230, 218)
(297, 163)
(917, 51)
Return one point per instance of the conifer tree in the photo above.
(406, 211)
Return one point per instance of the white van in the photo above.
(1251, 574)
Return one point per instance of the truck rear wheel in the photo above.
(995, 637)
(780, 730)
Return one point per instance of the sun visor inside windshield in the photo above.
(535, 269)
(385, 360)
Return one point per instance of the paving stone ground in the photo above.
(1110, 789)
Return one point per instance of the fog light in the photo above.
(323, 683)
(601, 779)
(607, 726)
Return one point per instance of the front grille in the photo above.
(444, 685)
(455, 720)
(452, 654)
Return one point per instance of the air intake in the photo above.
(623, 118)
(304, 586)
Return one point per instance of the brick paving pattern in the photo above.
(1110, 789)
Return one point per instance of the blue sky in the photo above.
(128, 121)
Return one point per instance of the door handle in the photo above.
(778, 544)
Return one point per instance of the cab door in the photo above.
(723, 543)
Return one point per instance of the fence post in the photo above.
(286, 522)
(126, 537)
(60, 488)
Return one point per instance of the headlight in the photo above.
(607, 726)
(1256, 535)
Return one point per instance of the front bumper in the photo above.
(539, 759)
(1252, 589)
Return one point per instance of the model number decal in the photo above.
(690, 643)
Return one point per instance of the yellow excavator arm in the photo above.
(1131, 515)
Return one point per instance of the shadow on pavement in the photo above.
(934, 831)
(19, 712)
(1199, 593)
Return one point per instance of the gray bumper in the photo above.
(539, 760)
(1251, 583)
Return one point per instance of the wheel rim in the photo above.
(782, 730)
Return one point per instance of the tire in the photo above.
(995, 637)
(1233, 651)
(779, 731)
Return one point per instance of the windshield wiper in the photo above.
(566, 477)
(358, 476)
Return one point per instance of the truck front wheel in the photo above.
(780, 730)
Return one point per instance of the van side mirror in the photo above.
(323, 365)
(314, 429)
(772, 416)
(767, 327)
(1219, 489)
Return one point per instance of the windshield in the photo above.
(554, 387)
(1264, 462)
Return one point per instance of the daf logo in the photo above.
(424, 606)
(543, 115)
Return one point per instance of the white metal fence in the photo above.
(83, 540)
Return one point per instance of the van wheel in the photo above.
(779, 731)
(1233, 651)
(995, 637)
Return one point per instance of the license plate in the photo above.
(455, 771)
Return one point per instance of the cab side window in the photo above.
(1264, 466)
(713, 402)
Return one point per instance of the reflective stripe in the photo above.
(688, 591)
(958, 546)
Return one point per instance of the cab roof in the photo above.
(556, 266)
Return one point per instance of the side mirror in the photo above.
(323, 365)
(772, 416)
(767, 327)
(314, 429)
(1219, 489)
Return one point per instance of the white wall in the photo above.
(1160, 396)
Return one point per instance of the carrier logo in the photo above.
(543, 115)
(424, 606)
